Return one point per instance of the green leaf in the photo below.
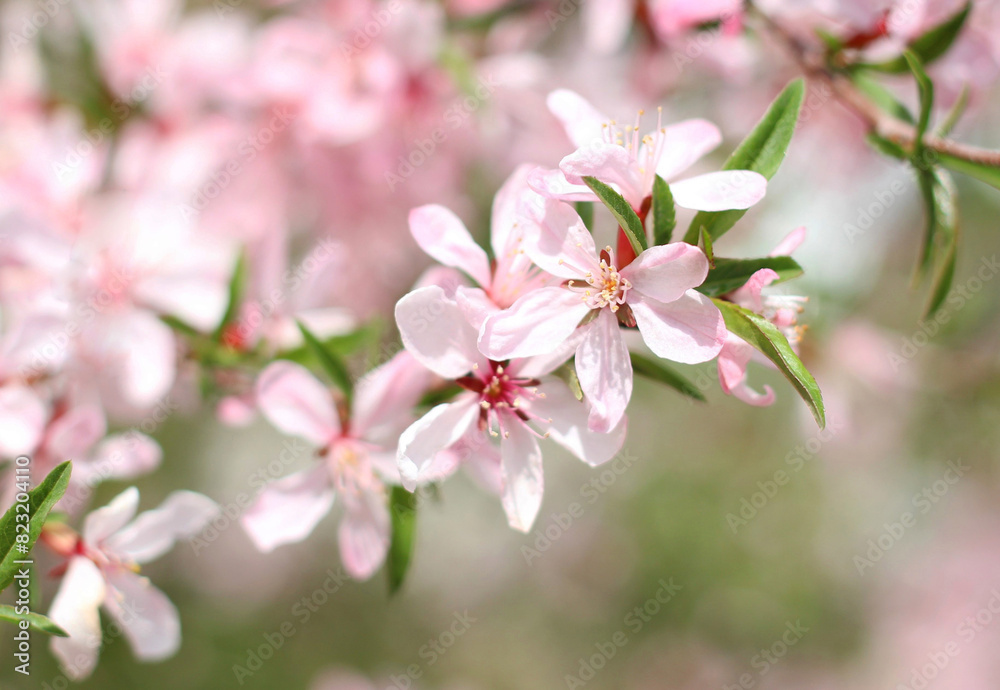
(943, 235)
(40, 502)
(585, 209)
(955, 113)
(982, 172)
(931, 45)
(567, 372)
(332, 364)
(881, 97)
(732, 274)
(35, 620)
(237, 284)
(887, 147)
(657, 371)
(762, 151)
(443, 394)
(664, 212)
(926, 88)
(705, 242)
(403, 512)
(622, 212)
(763, 335)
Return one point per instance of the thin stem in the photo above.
(881, 123)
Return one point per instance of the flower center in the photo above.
(500, 394)
(349, 466)
(607, 287)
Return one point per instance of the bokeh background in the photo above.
(696, 501)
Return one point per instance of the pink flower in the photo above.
(441, 234)
(673, 17)
(621, 158)
(780, 310)
(357, 458)
(654, 292)
(515, 403)
(103, 571)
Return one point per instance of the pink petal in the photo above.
(181, 515)
(236, 410)
(148, 618)
(364, 534)
(535, 324)
(288, 510)
(732, 364)
(437, 333)
(296, 403)
(540, 365)
(104, 522)
(120, 456)
(475, 305)
(506, 216)
(749, 295)
(791, 242)
(554, 185)
(387, 395)
(604, 368)
(666, 272)
(720, 191)
(22, 420)
(73, 434)
(569, 425)
(607, 24)
(611, 164)
(521, 478)
(558, 241)
(421, 444)
(583, 122)
(683, 144)
(138, 350)
(76, 609)
(441, 234)
(688, 330)
(194, 295)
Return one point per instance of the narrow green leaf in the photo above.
(887, 147)
(946, 234)
(732, 274)
(403, 512)
(926, 183)
(762, 151)
(664, 212)
(955, 113)
(40, 502)
(881, 96)
(35, 620)
(658, 371)
(237, 284)
(705, 242)
(585, 209)
(982, 172)
(926, 89)
(763, 335)
(622, 212)
(929, 46)
(331, 363)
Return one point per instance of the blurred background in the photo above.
(728, 546)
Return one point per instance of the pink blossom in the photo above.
(621, 158)
(673, 17)
(781, 310)
(655, 292)
(103, 568)
(441, 234)
(514, 403)
(357, 457)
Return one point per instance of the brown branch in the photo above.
(813, 65)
